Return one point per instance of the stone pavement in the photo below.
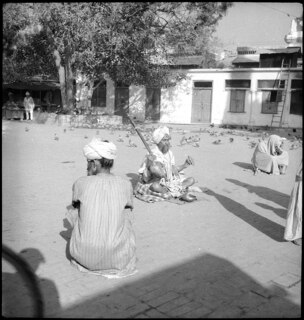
(222, 256)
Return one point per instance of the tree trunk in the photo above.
(90, 94)
(69, 85)
(61, 73)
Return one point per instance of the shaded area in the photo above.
(66, 235)
(134, 178)
(206, 286)
(280, 198)
(244, 165)
(17, 298)
(282, 213)
(262, 224)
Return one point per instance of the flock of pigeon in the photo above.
(186, 139)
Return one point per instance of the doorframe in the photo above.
(211, 99)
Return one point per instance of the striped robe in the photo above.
(103, 241)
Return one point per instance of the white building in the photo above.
(248, 96)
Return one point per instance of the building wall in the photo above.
(176, 102)
(137, 101)
(110, 97)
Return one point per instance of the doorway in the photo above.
(201, 102)
(121, 101)
(152, 103)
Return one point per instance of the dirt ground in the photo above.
(241, 219)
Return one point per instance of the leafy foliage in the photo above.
(132, 42)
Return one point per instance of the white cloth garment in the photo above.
(293, 229)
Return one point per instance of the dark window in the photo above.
(268, 84)
(270, 100)
(296, 84)
(296, 103)
(202, 84)
(237, 101)
(238, 84)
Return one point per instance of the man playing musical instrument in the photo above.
(159, 176)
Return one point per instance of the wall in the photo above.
(176, 103)
(137, 100)
(110, 100)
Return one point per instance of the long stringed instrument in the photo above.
(155, 167)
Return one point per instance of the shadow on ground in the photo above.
(282, 213)
(133, 178)
(280, 198)
(17, 298)
(244, 165)
(206, 286)
(262, 224)
(66, 235)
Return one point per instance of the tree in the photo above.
(129, 42)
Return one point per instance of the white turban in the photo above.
(98, 149)
(159, 133)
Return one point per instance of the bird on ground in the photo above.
(86, 137)
(294, 146)
(132, 143)
(56, 137)
(195, 144)
(217, 141)
(196, 138)
(64, 130)
(212, 125)
(27, 129)
(120, 139)
(231, 139)
(183, 140)
(252, 144)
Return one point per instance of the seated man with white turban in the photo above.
(102, 240)
(160, 178)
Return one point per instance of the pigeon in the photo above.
(217, 141)
(294, 146)
(27, 129)
(64, 130)
(252, 144)
(120, 139)
(196, 144)
(183, 140)
(212, 125)
(231, 139)
(86, 137)
(56, 137)
(132, 144)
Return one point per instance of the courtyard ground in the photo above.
(221, 256)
